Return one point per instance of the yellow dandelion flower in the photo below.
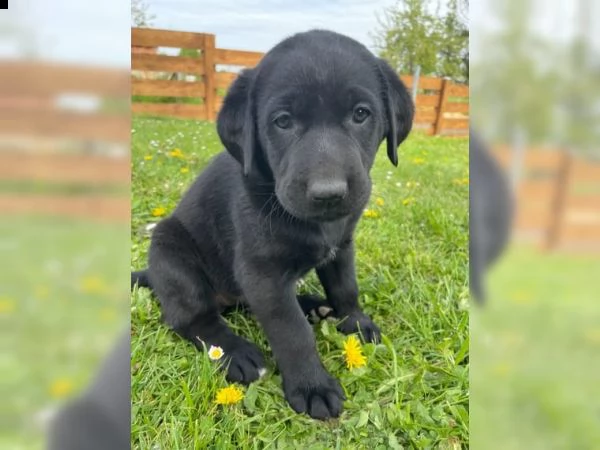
(176, 153)
(108, 315)
(215, 353)
(418, 160)
(353, 353)
(521, 297)
(371, 214)
(502, 369)
(61, 387)
(461, 181)
(148, 157)
(229, 395)
(380, 202)
(160, 211)
(593, 336)
(7, 305)
(408, 201)
(184, 170)
(42, 292)
(92, 284)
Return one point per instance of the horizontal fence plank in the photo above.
(535, 204)
(576, 233)
(64, 168)
(65, 124)
(224, 79)
(407, 80)
(426, 115)
(582, 217)
(455, 124)
(429, 83)
(150, 37)
(166, 63)
(453, 107)
(176, 110)
(584, 171)
(532, 158)
(167, 88)
(93, 207)
(237, 57)
(536, 191)
(427, 100)
(45, 79)
(458, 90)
(532, 221)
(583, 209)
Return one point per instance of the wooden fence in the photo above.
(442, 106)
(558, 199)
(58, 158)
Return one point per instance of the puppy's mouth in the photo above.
(324, 213)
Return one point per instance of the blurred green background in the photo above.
(534, 352)
(63, 300)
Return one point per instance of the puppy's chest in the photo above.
(323, 248)
(327, 255)
(314, 255)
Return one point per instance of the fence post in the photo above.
(439, 120)
(559, 202)
(415, 84)
(518, 154)
(209, 76)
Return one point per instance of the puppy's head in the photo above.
(310, 118)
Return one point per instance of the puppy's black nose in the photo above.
(327, 191)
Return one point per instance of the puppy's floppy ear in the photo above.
(235, 123)
(400, 110)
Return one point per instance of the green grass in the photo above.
(63, 299)
(412, 272)
(534, 354)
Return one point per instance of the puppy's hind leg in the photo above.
(188, 301)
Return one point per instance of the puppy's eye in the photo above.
(283, 121)
(360, 114)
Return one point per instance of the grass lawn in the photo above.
(412, 271)
(63, 299)
(534, 354)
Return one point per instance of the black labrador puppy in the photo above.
(490, 216)
(301, 132)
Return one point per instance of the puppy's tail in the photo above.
(141, 279)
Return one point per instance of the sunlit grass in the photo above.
(535, 354)
(63, 298)
(411, 252)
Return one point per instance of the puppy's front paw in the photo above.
(359, 322)
(243, 361)
(320, 395)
